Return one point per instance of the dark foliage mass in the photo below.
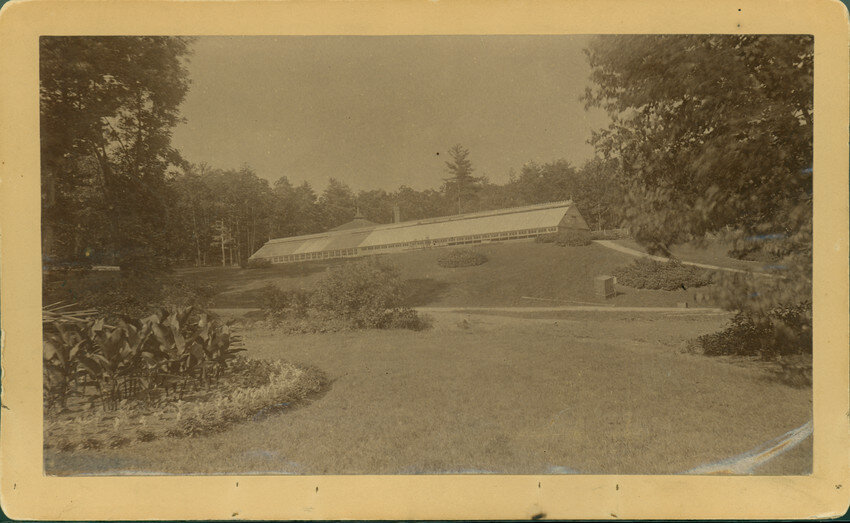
(646, 273)
(572, 238)
(282, 304)
(460, 258)
(754, 251)
(710, 130)
(713, 134)
(609, 234)
(747, 338)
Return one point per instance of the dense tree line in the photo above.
(226, 215)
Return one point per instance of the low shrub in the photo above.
(784, 332)
(572, 238)
(566, 238)
(646, 273)
(768, 248)
(313, 322)
(609, 234)
(175, 292)
(360, 291)
(753, 253)
(139, 263)
(362, 295)
(257, 263)
(279, 304)
(129, 296)
(460, 258)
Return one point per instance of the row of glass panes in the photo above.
(456, 240)
(321, 255)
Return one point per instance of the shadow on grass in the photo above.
(423, 291)
(235, 277)
(240, 288)
(252, 298)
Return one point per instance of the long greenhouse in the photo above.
(361, 237)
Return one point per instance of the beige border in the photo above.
(27, 494)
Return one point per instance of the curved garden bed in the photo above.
(252, 389)
(113, 380)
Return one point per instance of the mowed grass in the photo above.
(606, 393)
(520, 273)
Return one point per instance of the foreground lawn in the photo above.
(590, 394)
(521, 273)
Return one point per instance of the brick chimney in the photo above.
(396, 214)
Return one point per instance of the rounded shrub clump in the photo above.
(609, 234)
(572, 238)
(786, 332)
(646, 273)
(257, 263)
(460, 258)
(280, 304)
(367, 294)
(566, 238)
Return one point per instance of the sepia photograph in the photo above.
(427, 255)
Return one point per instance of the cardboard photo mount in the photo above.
(26, 493)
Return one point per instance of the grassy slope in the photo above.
(514, 271)
(610, 395)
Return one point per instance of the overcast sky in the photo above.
(379, 112)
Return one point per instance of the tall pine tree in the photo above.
(461, 187)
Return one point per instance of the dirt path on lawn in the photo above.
(634, 252)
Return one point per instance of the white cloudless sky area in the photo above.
(383, 111)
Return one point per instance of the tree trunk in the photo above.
(197, 240)
(253, 232)
(238, 245)
(106, 178)
(222, 238)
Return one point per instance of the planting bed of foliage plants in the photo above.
(112, 381)
(357, 295)
(646, 273)
(460, 258)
